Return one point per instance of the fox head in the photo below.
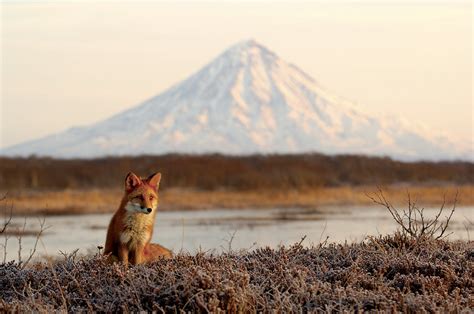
(141, 195)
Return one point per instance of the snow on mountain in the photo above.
(247, 100)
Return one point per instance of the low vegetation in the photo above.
(388, 273)
(413, 270)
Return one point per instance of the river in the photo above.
(220, 230)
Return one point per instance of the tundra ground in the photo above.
(389, 273)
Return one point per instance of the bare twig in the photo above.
(469, 224)
(38, 235)
(20, 233)
(229, 241)
(4, 245)
(322, 232)
(413, 221)
(20, 238)
(301, 241)
(448, 218)
(8, 218)
(6, 223)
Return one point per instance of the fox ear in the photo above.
(154, 180)
(132, 181)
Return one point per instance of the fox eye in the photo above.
(151, 197)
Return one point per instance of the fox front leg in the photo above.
(123, 254)
(137, 256)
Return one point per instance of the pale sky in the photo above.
(74, 63)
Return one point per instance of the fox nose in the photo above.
(149, 210)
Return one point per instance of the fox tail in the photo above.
(154, 251)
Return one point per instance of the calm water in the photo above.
(214, 229)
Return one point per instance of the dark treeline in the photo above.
(231, 172)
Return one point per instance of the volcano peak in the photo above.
(247, 100)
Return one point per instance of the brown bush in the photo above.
(211, 172)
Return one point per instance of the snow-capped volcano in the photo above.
(247, 100)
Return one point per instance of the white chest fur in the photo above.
(136, 229)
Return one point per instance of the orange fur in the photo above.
(154, 251)
(131, 228)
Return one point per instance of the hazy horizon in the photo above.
(71, 64)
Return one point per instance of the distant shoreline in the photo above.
(95, 201)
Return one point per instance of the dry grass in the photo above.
(390, 273)
(403, 272)
(107, 200)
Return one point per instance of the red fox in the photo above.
(131, 227)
